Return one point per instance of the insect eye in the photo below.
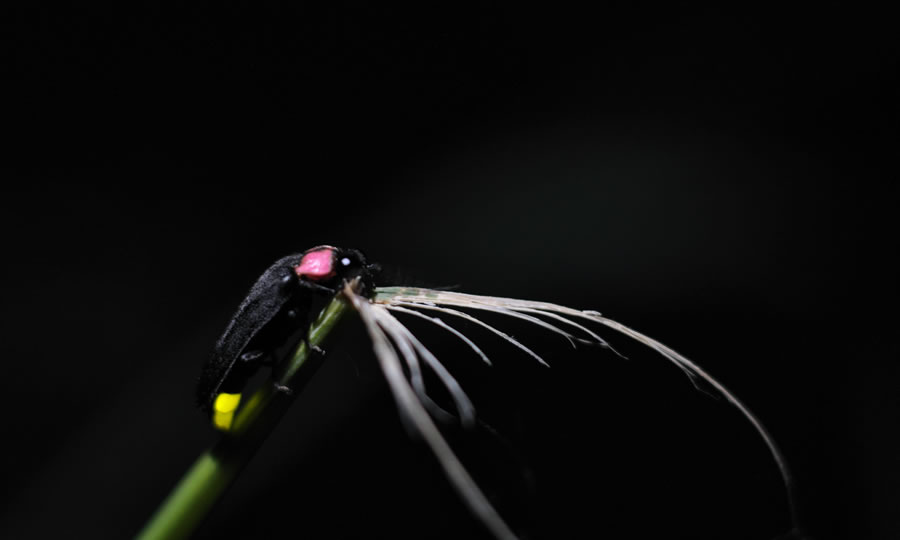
(346, 261)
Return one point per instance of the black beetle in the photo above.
(277, 306)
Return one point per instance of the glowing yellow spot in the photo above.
(223, 410)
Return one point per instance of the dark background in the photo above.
(720, 180)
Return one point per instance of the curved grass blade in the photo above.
(409, 404)
(409, 345)
(597, 339)
(445, 326)
(433, 299)
(479, 322)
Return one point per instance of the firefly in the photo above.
(278, 304)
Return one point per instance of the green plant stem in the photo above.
(208, 478)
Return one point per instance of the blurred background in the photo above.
(719, 179)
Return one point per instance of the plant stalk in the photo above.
(210, 476)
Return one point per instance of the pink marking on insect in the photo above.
(317, 265)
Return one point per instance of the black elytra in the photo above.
(277, 306)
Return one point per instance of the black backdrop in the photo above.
(716, 178)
